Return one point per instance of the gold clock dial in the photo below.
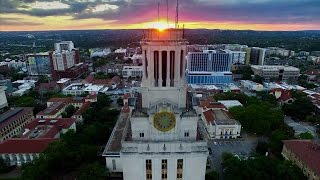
(164, 121)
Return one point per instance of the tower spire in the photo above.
(177, 15)
(168, 13)
(158, 11)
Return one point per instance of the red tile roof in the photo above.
(102, 81)
(18, 145)
(285, 94)
(51, 129)
(307, 151)
(48, 86)
(211, 105)
(90, 78)
(53, 108)
(126, 96)
(209, 116)
(66, 99)
(83, 108)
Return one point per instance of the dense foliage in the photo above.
(258, 118)
(259, 168)
(300, 108)
(306, 135)
(3, 166)
(77, 151)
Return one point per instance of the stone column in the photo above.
(24, 158)
(176, 68)
(168, 69)
(10, 157)
(160, 68)
(31, 157)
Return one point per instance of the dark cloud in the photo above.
(137, 11)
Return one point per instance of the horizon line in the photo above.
(1, 31)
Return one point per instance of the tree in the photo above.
(261, 168)
(258, 79)
(306, 135)
(300, 108)
(70, 110)
(77, 149)
(4, 168)
(93, 171)
(100, 75)
(120, 101)
(212, 175)
(260, 118)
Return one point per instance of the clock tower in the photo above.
(160, 138)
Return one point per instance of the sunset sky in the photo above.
(34, 15)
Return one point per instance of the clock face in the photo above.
(164, 121)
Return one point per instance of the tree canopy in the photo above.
(260, 168)
(77, 151)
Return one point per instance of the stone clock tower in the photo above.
(161, 139)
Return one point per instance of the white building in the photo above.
(77, 89)
(230, 103)
(252, 86)
(279, 51)
(97, 52)
(132, 71)
(64, 56)
(237, 57)
(279, 73)
(3, 97)
(219, 124)
(120, 51)
(24, 86)
(217, 120)
(159, 139)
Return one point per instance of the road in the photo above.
(240, 147)
(301, 127)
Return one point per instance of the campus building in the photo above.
(255, 56)
(38, 64)
(305, 154)
(157, 138)
(13, 121)
(278, 73)
(209, 67)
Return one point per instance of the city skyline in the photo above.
(31, 15)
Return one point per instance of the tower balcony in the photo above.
(155, 35)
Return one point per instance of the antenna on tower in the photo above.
(177, 14)
(158, 11)
(168, 13)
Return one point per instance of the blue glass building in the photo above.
(209, 67)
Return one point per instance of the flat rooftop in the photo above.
(114, 142)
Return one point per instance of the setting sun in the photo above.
(161, 25)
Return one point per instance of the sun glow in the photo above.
(160, 25)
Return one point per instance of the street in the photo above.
(300, 127)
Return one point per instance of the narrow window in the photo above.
(141, 134)
(149, 169)
(164, 169)
(114, 167)
(179, 169)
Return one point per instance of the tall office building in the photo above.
(209, 67)
(38, 64)
(255, 56)
(65, 61)
(158, 138)
(65, 56)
